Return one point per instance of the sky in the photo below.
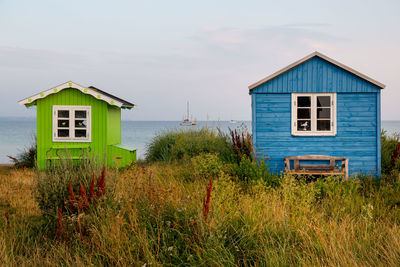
(160, 54)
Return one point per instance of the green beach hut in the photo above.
(75, 121)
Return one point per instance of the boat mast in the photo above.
(187, 110)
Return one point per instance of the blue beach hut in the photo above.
(318, 106)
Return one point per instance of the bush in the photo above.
(249, 169)
(388, 145)
(179, 144)
(52, 187)
(242, 144)
(206, 165)
(27, 158)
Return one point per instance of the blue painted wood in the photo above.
(378, 129)
(314, 76)
(358, 127)
(253, 116)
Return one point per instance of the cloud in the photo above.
(27, 58)
(212, 68)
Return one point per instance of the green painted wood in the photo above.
(120, 156)
(105, 130)
(113, 125)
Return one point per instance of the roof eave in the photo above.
(86, 90)
(307, 58)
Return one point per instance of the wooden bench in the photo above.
(83, 149)
(321, 169)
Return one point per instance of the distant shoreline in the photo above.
(227, 120)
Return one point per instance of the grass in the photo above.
(170, 213)
(155, 216)
(175, 145)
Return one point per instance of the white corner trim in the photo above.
(67, 85)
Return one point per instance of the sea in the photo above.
(16, 134)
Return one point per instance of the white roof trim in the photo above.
(70, 84)
(334, 62)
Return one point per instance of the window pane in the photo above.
(80, 114)
(303, 113)
(63, 113)
(304, 101)
(323, 125)
(80, 133)
(323, 113)
(323, 101)
(80, 123)
(304, 125)
(63, 123)
(63, 133)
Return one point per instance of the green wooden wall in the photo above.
(105, 130)
(113, 125)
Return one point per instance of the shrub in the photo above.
(242, 144)
(249, 169)
(207, 165)
(388, 146)
(52, 189)
(27, 157)
(179, 144)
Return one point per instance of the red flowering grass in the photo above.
(101, 185)
(7, 215)
(83, 198)
(206, 202)
(395, 156)
(81, 203)
(241, 144)
(91, 190)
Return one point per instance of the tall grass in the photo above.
(388, 146)
(27, 157)
(153, 217)
(197, 212)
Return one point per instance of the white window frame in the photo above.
(71, 127)
(314, 131)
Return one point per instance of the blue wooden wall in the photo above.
(358, 117)
(315, 76)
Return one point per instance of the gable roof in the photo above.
(307, 58)
(95, 92)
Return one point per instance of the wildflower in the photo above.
(101, 190)
(206, 202)
(91, 189)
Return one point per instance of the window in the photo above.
(314, 114)
(71, 123)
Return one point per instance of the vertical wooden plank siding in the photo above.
(70, 97)
(113, 125)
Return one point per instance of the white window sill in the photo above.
(315, 134)
(72, 140)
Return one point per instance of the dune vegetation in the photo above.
(191, 203)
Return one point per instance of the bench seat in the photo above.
(317, 169)
(80, 148)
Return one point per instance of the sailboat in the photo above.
(186, 121)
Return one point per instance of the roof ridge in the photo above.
(97, 93)
(309, 57)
